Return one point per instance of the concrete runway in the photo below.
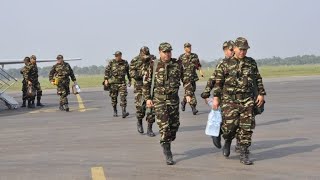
(47, 144)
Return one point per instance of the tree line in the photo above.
(98, 70)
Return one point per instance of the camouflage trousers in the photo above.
(238, 121)
(193, 101)
(167, 117)
(36, 86)
(115, 90)
(63, 90)
(141, 106)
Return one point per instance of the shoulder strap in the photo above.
(155, 65)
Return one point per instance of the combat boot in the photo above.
(30, 105)
(23, 103)
(149, 130)
(66, 107)
(167, 153)
(115, 111)
(139, 126)
(244, 156)
(217, 141)
(183, 105)
(38, 102)
(226, 148)
(124, 112)
(194, 110)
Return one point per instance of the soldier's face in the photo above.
(33, 61)
(228, 53)
(118, 57)
(187, 49)
(59, 61)
(240, 53)
(165, 55)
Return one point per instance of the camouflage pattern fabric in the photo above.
(210, 84)
(61, 73)
(190, 64)
(166, 99)
(138, 68)
(234, 86)
(30, 73)
(24, 88)
(115, 73)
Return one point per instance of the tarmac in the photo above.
(89, 143)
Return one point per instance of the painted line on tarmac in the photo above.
(81, 105)
(97, 173)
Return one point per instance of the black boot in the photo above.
(183, 105)
(38, 102)
(139, 126)
(149, 130)
(237, 147)
(194, 110)
(23, 103)
(167, 153)
(115, 111)
(244, 156)
(217, 141)
(30, 104)
(66, 107)
(124, 112)
(226, 148)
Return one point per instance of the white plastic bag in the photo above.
(214, 122)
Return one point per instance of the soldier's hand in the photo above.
(52, 82)
(29, 82)
(149, 103)
(260, 100)
(129, 84)
(188, 98)
(206, 100)
(106, 82)
(215, 104)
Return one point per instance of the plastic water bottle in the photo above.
(214, 121)
(78, 88)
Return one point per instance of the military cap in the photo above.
(165, 47)
(228, 44)
(117, 53)
(59, 57)
(33, 57)
(27, 59)
(187, 44)
(145, 50)
(242, 43)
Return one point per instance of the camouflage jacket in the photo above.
(116, 72)
(167, 80)
(190, 64)
(138, 67)
(30, 72)
(235, 76)
(210, 84)
(62, 71)
(22, 71)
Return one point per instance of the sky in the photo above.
(93, 30)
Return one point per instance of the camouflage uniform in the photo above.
(138, 68)
(61, 73)
(234, 86)
(30, 73)
(190, 64)
(24, 88)
(115, 73)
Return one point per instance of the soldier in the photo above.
(138, 68)
(115, 74)
(227, 48)
(59, 75)
(31, 76)
(234, 86)
(24, 82)
(191, 63)
(163, 78)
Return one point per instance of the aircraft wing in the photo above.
(5, 62)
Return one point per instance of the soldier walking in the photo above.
(138, 68)
(115, 74)
(160, 90)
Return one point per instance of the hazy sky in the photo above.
(95, 29)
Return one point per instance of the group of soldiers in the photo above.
(157, 82)
(59, 76)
